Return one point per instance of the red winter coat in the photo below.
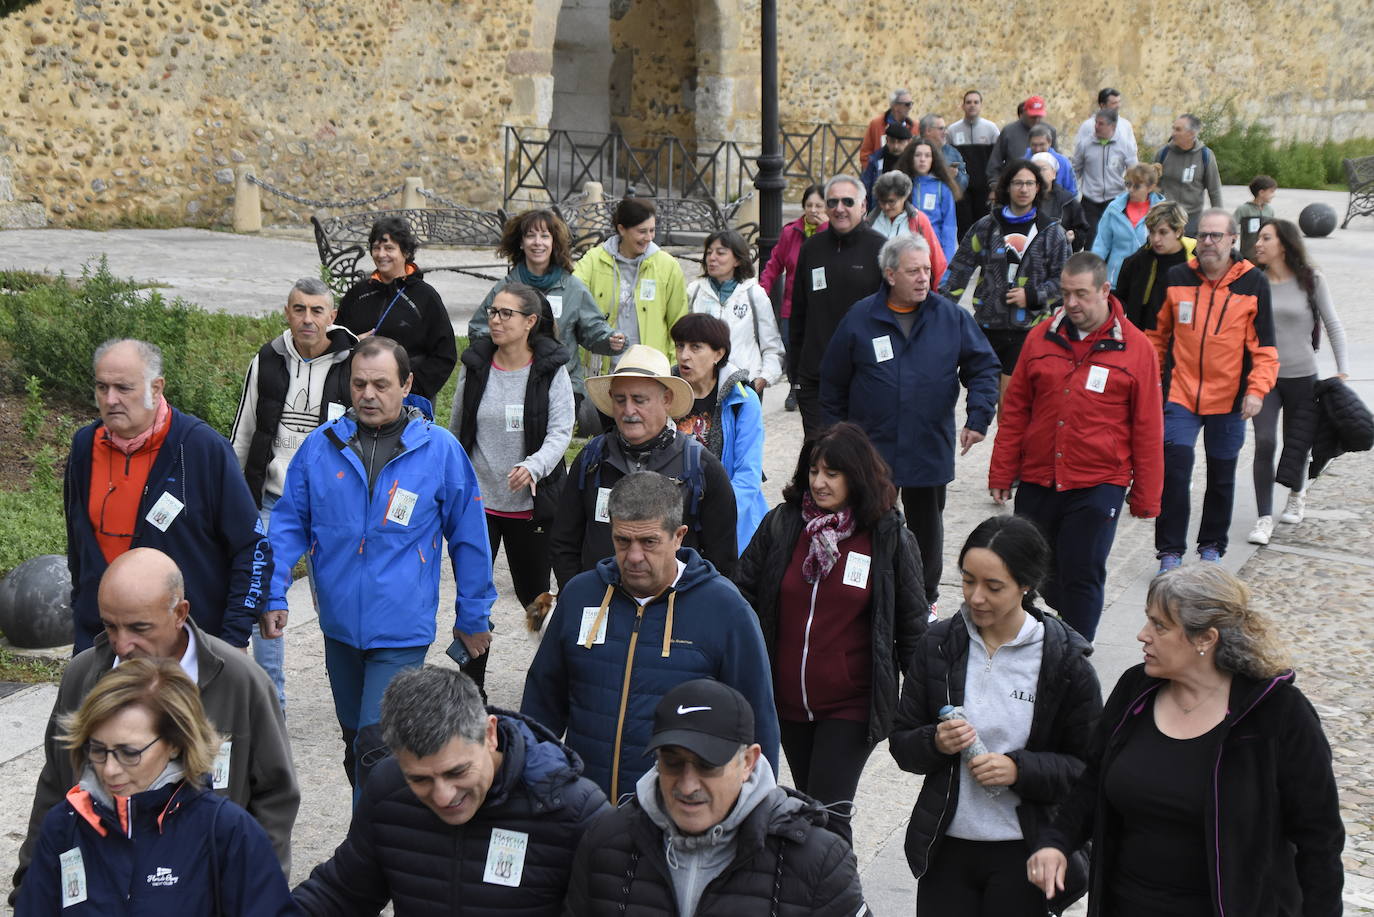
(1057, 432)
(784, 258)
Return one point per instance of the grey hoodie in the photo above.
(91, 783)
(627, 271)
(695, 859)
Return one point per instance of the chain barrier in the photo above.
(440, 199)
(325, 205)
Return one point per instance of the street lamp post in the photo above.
(769, 180)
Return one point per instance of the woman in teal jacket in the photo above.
(637, 285)
(726, 415)
(1121, 231)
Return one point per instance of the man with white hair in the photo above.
(148, 475)
(894, 366)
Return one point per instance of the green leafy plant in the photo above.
(35, 412)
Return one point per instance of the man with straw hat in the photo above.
(641, 395)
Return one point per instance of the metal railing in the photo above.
(553, 165)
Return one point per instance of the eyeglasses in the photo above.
(1211, 236)
(676, 765)
(128, 757)
(833, 202)
(1025, 184)
(504, 314)
(890, 201)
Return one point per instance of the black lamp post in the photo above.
(769, 180)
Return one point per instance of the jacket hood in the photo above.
(1111, 330)
(727, 377)
(612, 245)
(1239, 266)
(534, 755)
(761, 790)
(697, 571)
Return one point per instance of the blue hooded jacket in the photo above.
(940, 212)
(1116, 239)
(378, 574)
(165, 852)
(741, 424)
(906, 402)
(603, 696)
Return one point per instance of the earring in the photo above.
(1201, 651)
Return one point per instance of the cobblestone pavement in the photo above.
(1317, 578)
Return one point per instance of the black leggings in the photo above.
(527, 554)
(827, 758)
(978, 879)
(1284, 396)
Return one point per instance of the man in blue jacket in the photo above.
(894, 367)
(373, 495)
(477, 811)
(641, 623)
(148, 475)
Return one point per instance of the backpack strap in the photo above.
(592, 454)
(693, 477)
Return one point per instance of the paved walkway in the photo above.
(1315, 577)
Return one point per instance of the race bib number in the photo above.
(556, 305)
(401, 507)
(818, 278)
(506, 857)
(856, 570)
(1252, 225)
(928, 200)
(882, 348)
(219, 772)
(603, 504)
(515, 418)
(335, 410)
(1185, 312)
(1097, 379)
(647, 288)
(1188, 174)
(164, 511)
(73, 877)
(588, 620)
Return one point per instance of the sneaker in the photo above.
(1169, 562)
(1264, 527)
(791, 403)
(1210, 554)
(934, 613)
(1295, 510)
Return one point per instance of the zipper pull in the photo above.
(361, 544)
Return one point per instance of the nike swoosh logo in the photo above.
(681, 710)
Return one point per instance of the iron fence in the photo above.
(553, 165)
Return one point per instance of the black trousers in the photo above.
(978, 879)
(827, 759)
(925, 510)
(527, 553)
(1093, 211)
(809, 404)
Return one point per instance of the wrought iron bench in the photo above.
(681, 221)
(342, 240)
(1359, 175)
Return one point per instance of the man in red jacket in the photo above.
(1082, 421)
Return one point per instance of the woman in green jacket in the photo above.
(637, 285)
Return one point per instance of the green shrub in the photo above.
(1244, 150)
(53, 330)
(34, 520)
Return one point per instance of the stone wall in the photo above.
(112, 108)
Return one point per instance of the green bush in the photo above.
(35, 522)
(1244, 150)
(53, 330)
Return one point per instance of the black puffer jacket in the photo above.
(898, 610)
(399, 850)
(1068, 701)
(1272, 830)
(787, 864)
(1338, 422)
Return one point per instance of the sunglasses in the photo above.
(676, 765)
(833, 202)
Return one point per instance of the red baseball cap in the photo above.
(1035, 106)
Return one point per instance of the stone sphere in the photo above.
(1317, 220)
(35, 603)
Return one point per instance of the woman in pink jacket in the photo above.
(784, 260)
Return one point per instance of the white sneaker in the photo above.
(1295, 510)
(1264, 527)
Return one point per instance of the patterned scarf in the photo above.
(826, 531)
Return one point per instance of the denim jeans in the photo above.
(271, 654)
(1222, 436)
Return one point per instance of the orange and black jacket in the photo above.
(1215, 339)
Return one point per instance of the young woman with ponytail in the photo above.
(1029, 695)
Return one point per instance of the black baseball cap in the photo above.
(709, 719)
(898, 131)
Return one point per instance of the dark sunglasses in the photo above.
(833, 202)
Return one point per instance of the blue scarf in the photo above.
(723, 290)
(541, 282)
(1010, 217)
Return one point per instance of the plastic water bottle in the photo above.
(948, 713)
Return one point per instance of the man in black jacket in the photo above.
(476, 806)
(640, 396)
(836, 268)
(709, 831)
